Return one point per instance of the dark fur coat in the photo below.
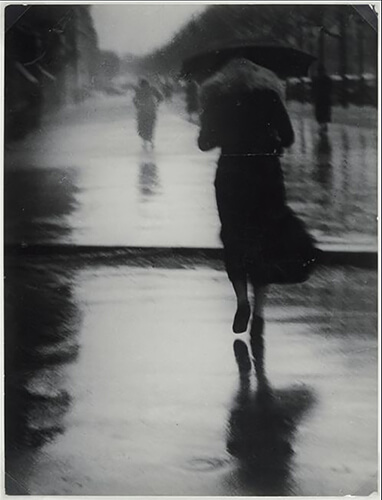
(242, 111)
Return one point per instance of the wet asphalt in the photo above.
(85, 180)
(123, 378)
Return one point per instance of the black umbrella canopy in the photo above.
(285, 61)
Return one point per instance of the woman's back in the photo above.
(145, 98)
(247, 122)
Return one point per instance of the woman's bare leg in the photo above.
(243, 311)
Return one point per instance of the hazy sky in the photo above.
(139, 28)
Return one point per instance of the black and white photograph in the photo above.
(191, 249)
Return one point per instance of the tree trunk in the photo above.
(343, 55)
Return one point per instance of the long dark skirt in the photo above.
(262, 237)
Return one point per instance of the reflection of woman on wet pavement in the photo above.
(146, 101)
(243, 114)
(261, 428)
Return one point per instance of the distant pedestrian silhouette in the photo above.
(243, 114)
(146, 101)
(322, 97)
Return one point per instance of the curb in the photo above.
(366, 258)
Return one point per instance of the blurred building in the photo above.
(51, 56)
(108, 70)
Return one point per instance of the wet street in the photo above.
(121, 372)
(123, 381)
(87, 181)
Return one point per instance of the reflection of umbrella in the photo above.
(282, 59)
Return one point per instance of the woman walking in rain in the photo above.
(264, 241)
(146, 101)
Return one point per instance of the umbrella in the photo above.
(284, 60)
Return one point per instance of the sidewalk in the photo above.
(85, 183)
(122, 381)
(353, 116)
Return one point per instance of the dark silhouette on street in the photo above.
(262, 425)
(146, 101)
(322, 97)
(243, 114)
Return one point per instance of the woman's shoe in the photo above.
(240, 321)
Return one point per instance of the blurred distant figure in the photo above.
(243, 114)
(322, 97)
(146, 101)
(192, 99)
